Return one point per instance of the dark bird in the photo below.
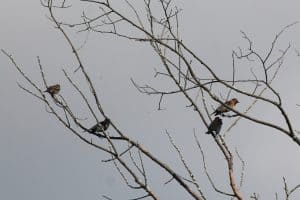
(53, 89)
(215, 126)
(100, 127)
(222, 109)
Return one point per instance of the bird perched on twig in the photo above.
(100, 127)
(222, 109)
(215, 126)
(53, 89)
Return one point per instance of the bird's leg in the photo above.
(214, 134)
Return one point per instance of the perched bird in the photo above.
(222, 109)
(215, 126)
(53, 89)
(100, 127)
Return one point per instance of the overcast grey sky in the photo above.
(39, 159)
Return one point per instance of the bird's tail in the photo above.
(86, 130)
(215, 113)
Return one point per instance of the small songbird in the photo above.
(215, 126)
(53, 89)
(222, 109)
(100, 127)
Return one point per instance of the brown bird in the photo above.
(222, 109)
(100, 127)
(215, 126)
(53, 89)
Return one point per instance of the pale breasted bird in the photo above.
(215, 126)
(100, 127)
(222, 109)
(53, 89)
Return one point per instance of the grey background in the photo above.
(39, 159)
